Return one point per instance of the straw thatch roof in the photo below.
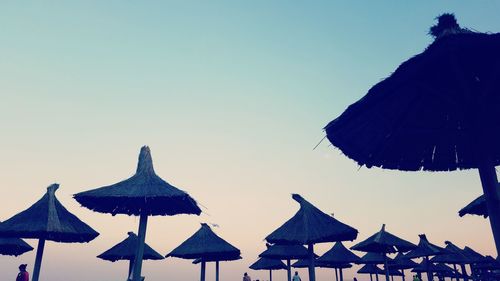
(48, 219)
(13, 247)
(205, 244)
(438, 111)
(144, 192)
(217, 259)
(476, 207)
(339, 254)
(488, 263)
(371, 269)
(384, 242)
(374, 258)
(425, 266)
(284, 252)
(127, 249)
(269, 264)
(473, 256)
(400, 261)
(425, 248)
(310, 225)
(454, 256)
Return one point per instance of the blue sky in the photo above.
(231, 96)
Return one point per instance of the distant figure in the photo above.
(246, 277)
(296, 277)
(415, 278)
(355, 279)
(23, 275)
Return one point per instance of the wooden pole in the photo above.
(386, 267)
(341, 274)
(143, 222)
(464, 272)
(489, 182)
(270, 275)
(217, 271)
(371, 277)
(312, 273)
(403, 271)
(203, 266)
(289, 269)
(376, 276)
(130, 267)
(336, 274)
(428, 269)
(38, 259)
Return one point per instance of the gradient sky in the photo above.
(231, 96)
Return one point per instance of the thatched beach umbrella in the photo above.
(127, 249)
(13, 247)
(371, 269)
(476, 207)
(144, 194)
(268, 264)
(204, 244)
(426, 249)
(287, 253)
(437, 112)
(338, 254)
(47, 219)
(401, 262)
(310, 226)
(217, 261)
(385, 243)
(454, 256)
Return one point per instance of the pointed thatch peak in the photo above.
(400, 261)
(339, 254)
(425, 249)
(268, 264)
(145, 163)
(126, 250)
(454, 256)
(383, 242)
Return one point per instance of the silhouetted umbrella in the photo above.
(144, 194)
(338, 254)
(268, 264)
(401, 262)
(127, 249)
(371, 269)
(47, 219)
(304, 263)
(204, 244)
(426, 249)
(476, 207)
(473, 257)
(310, 226)
(384, 242)
(489, 263)
(13, 247)
(217, 261)
(285, 252)
(437, 112)
(424, 265)
(454, 256)
(373, 258)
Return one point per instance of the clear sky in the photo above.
(231, 96)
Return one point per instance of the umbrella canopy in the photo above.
(473, 256)
(205, 244)
(304, 263)
(13, 247)
(126, 250)
(371, 269)
(374, 258)
(454, 256)
(285, 252)
(489, 263)
(400, 261)
(48, 219)
(311, 225)
(268, 264)
(425, 265)
(144, 194)
(338, 254)
(425, 249)
(476, 207)
(384, 242)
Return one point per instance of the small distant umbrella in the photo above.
(437, 112)
(13, 247)
(310, 226)
(476, 207)
(204, 244)
(144, 194)
(426, 249)
(374, 258)
(285, 252)
(217, 261)
(424, 265)
(127, 249)
(338, 254)
(454, 256)
(371, 269)
(47, 219)
(401, 262)
(385, 243)
(268, 264)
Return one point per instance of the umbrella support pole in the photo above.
(202, 275)
(289, 269)
(489, 182)
(371, 277)
(130, 268)
(456, 272)
(217, 271)
(270, 275)
(143, 222)
(341, 274)
(392, 277)
(386, 267)
(336, 275)
(376, 276)
(403, 272)
(428, 269)
(38, 259)
(312, 273)
(464, 272)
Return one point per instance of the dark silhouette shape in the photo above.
(13, 247)
(268, 264)
(455, 256)
(371, 269)
(426, 249)
(476, 207)
(23, 275)
(437, 112)
(144, 194)
(47, 219)
(338, 267)
(287, 253)
(310, 226)
(126, 250)
(204, 244)
(338, 255)
(401, 262)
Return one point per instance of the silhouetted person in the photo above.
(296, 277)
(246, 277)
(23, 275)
(355, 279)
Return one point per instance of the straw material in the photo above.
(437, 112)
(13, 247)
(268, 264)
(384, 242)
(205, 244)
(454, 256)
(400, 261)
(284, 252)
(374, 258)
(425, 249)
(423, 267)
(473, 257)
(304, 263)
(476, 207)
(126, 250)
(339, 254)
(48, 219)
(145, 192)
(310, 225)
(371, 269)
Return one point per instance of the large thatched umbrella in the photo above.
(401, 262)
(385, 243)
(127, 249)
(268, 264)
(204, 244)
(426, 249)
(310, 226)
(144, 194)
(454, 256)
(338, 254)
(13, 247)
(371, 269)
(285, 252)
(437, 112)
(47, 219)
